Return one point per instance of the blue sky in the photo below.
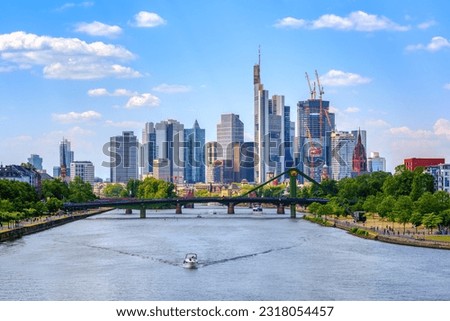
(87, 70)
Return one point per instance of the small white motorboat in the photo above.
(190, 261)
(257, 208)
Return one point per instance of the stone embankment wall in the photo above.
(15, 233)
(402, 240)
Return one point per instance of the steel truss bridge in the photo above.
(230, 202)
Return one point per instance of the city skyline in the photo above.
(87, 71)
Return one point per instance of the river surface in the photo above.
(245, 256)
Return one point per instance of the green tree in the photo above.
(155, 188)
(427, 203)
(80, 191)
(386, 206)
(416, 219)
(403, 210)
(53, 204)
(431, 221)
(55, 188)
(422, 182)
(114, 190)
(133, 187)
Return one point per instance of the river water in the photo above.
(245, 256)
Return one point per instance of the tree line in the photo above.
(20, 200)
(403, 197)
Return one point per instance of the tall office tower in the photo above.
(272, 122)
(194, 169)
(314, 127)
(83, 169)
(375, 163)
(66, 156)
(35, 161)
(170, 146)
(359, 157)
(230, 130)
(148, 148)
(230, 136)
(124, 157)
(342, 146)
(212, 162)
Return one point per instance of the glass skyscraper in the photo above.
(194, 169)
(123, 153)
(272, 128)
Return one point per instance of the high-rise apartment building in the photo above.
(124, 157)
(315, 124)
(83, 169)
(342, 146)
(170, 146)
(375, 163)
(194, 169)
(230, 130)
(230, 137)
(36, 161)
(148, 148)
(272, 122)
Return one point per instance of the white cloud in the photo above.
(98, 29)
(437, 43)
(65, 58)
(104, 92)
(358, 21)
(147, 19)
(70, 5)
(341, 78)
(447, 86)
(426, 24)
(290, 22)
(73, 117)
(377, 123)
(143, 100)
(171, 89)
(352, 110)
(442, 128)
(409, 133)
(124, 124)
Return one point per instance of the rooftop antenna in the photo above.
(259, 55)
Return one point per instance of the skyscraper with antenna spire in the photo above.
(272, 120)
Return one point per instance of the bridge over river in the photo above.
(231, 202)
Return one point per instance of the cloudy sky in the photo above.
(90, 70)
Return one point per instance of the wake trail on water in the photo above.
(240, 257)
(201, 264)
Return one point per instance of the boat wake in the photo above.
(200, 264)
(245, 256)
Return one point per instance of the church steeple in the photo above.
(63, 162)
(359, 157)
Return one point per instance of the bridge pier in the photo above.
(142, 212)
(230, 208)
(178, 209)
(280, 209)
(293, 190)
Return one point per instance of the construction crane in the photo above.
(312, 90)
(321, 92)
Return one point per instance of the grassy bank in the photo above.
(374, 229)
(28, 227)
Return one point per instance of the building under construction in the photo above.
(315, 124)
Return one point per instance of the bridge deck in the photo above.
(142, 203)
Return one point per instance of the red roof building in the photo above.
(412, 163)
